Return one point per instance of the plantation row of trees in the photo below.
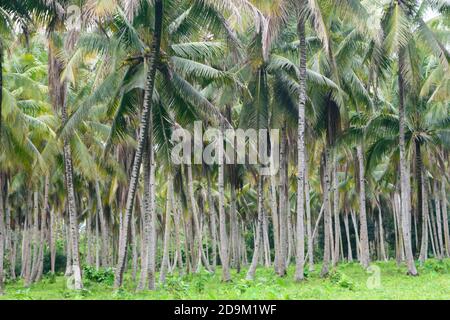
(91, 91)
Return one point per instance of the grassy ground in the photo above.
(349, 281)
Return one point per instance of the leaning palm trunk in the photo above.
(259, 222)
(364, 241)
(143, 135)
(404, 175)
(300, 249)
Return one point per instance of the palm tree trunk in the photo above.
(327, 215)
(2, 235)
(222, 218)
(134, 248)
(445, 217)
(424, 218)
(11, 239)
(143, 135)
(165, 259)
(439, 220)
(213, 225)
(275, 220)
(308, 218)
(404, 175)
(283, 206)
(347, 234)
(153, 237)
(259, 222)
(103, 227)
(381, 231)
(35, 245)
(300, 249)
(176, 219)
(267, 259)
(364, 242)
(52, 241)
(234, 229)
(337, 224)
(355, 227)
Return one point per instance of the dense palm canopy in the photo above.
(89, 103)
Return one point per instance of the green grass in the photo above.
(348, 281)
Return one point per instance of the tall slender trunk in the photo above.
(258, 229)
(143, 135)
(347, 234)
(327, 215)
(213, 225)
(52, 232)
(145, 213)
(222, 218)
(355, 227)
(275, 220)
(152, 236)
(234, 228)
(1, 81)
(165, 259)
(97, 244)
(381, 231)
(266, 242)
(78, 285)
(134, 248)
(337, 224)
(176, 220)
(445, 217)
(439, 220)
(300, 249)
(424, 219)
(103, 226)
(364, 240)
(404, 174)
(308, 218)
(11, 238)
(2, 233)
(283, 205)
(34, 258)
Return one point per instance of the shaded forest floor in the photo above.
(348, 281)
